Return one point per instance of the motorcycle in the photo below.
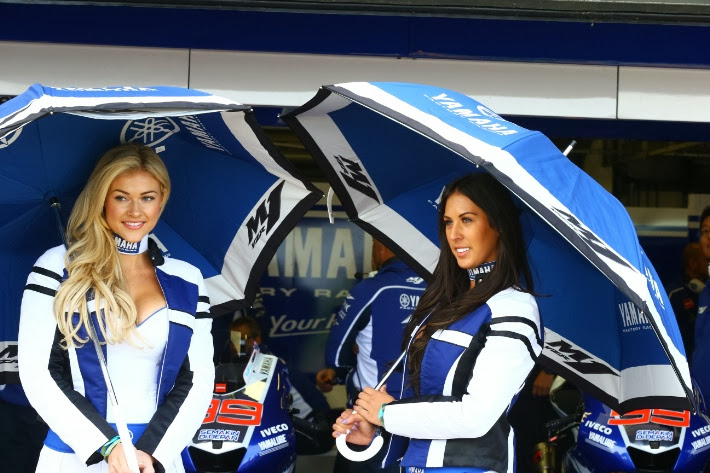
(248, 425)
(591, 437)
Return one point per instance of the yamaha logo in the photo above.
(408, 301)
(10, 138)
(404, 301)
(149, 131)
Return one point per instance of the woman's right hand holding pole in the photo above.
(358, 430)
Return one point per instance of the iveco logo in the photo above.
(149, 131)
(10, 138)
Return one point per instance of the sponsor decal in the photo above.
(149, 131)
(632, 318)
(655, 290)
(10, 138)
(270, 444)
(234, 412)
(492, 123)
(265, 367)
(353, 175)
(592, 240)
(9, 367)
(701, 431)
(601, 440)
(598, 427)
(655, 435)
(656, 416)
(266, 215)
(408, 301)
(701, 309)
(284, 327)
(106, 89)
(317, 292)
(274, 430)
(125, 246)
(415, 280)
(198, 130)
(577, 359)
(219, 434)
(701, 443)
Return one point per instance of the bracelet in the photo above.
(105, 451)
(381, 414)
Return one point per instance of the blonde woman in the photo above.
(154, 322)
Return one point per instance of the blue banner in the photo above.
(305, 285)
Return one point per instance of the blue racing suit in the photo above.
(374, 316)
(699, 370)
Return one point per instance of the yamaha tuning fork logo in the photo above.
(149, 131)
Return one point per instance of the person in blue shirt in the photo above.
(472, 341)
(684, 294)
(701, 355)
(365, 341)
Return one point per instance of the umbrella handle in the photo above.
(366, 454)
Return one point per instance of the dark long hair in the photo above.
(449, 298)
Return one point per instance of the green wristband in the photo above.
(105, 451)
(381, 414)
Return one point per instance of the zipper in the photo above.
(165, 348)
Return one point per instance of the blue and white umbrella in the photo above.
(234, 196)
(388, 149)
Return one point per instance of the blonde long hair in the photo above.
(92, 258)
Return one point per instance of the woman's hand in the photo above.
(117, 461)
(369, 402)
(358, 430)
(542, 384)
(145, 462)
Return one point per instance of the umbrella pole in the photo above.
(121, 426)
(378, 441)
(54, 203)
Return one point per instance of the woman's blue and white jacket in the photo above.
(67, 389)
(470, 375)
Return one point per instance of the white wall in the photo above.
(556, 90)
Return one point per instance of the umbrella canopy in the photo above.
(234, 196)
(388, 150)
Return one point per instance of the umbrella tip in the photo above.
(569, 148)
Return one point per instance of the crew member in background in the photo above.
(312, 416)
(366, 338)
(684, 294)
(701, 355)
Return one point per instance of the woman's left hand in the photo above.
(369, 402)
